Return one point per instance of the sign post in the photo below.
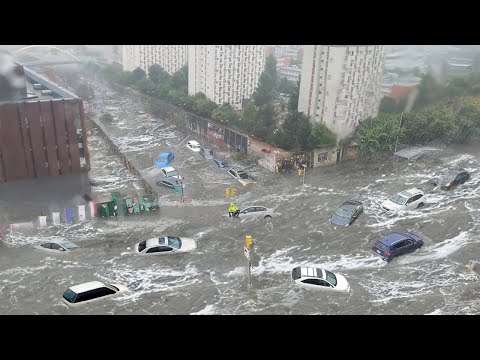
(246, 250)
(304, 171)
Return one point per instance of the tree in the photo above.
(157, 74)
(139, 74)
(266, 89)
(429, 92)
(179, 80)
(377, 137)
(293, 101)
(467, 119)
(321, 136)
(286, 86)
(430, 123)
(146, 86)
(225, 114)
(203, 106)
(389, 105)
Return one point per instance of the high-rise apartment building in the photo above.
(170, 57)
(341, 85)
(225, 73)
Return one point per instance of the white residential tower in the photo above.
(225, 73)
(170, 57)
(341, 85)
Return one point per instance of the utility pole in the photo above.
(304, 171)
(246, 250)
(396, 142)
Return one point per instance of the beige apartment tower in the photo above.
(341, 85)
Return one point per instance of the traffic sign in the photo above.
(246, 252)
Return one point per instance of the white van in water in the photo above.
(91, 291)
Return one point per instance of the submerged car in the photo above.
(169, 182)
(170, 172)
(321, 279)
(165, 245)
(222, 164)
(347, 213)
(241, 176)
(208, 154)
(58, 246)
(397, 244)
(256, 212)
(193, 145)
(408, 199)
(452, 179)
(164, 159)
(87, 292)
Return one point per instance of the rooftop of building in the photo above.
(399, 91)
(19, 83)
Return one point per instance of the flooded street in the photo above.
(213, 279)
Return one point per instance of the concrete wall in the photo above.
(325, 156)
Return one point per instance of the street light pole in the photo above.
(396, 142)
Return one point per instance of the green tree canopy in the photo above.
(377, 137)
(430, 123)
(139, 74)
(157, 74)
(321, 136)
(225, 114)
(179, 80)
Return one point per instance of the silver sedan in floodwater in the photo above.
(165, 245)
(57, 246)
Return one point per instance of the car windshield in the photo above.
(398, 199)
(331, 278)
(142, 246)
(175, 242)
(69, 295)
(345, 211)
(224, 164)
(243, 175)
(69, 245)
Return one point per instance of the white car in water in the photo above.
(165, 245)
(88, 292)
(319, 279)
(405, 200)
(241, 176)
(171, 172)
(193, 145)
(58, 246)
(257, 212)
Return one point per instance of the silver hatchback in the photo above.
(257, 212)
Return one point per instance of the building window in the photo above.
(323, 156)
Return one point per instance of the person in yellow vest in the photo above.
(233, 210)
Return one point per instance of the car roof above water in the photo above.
(392, 238)
(87, 286)
(411, 192)
(311, 272)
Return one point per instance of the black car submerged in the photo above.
(451, 179)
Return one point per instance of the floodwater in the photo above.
(214, 280)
